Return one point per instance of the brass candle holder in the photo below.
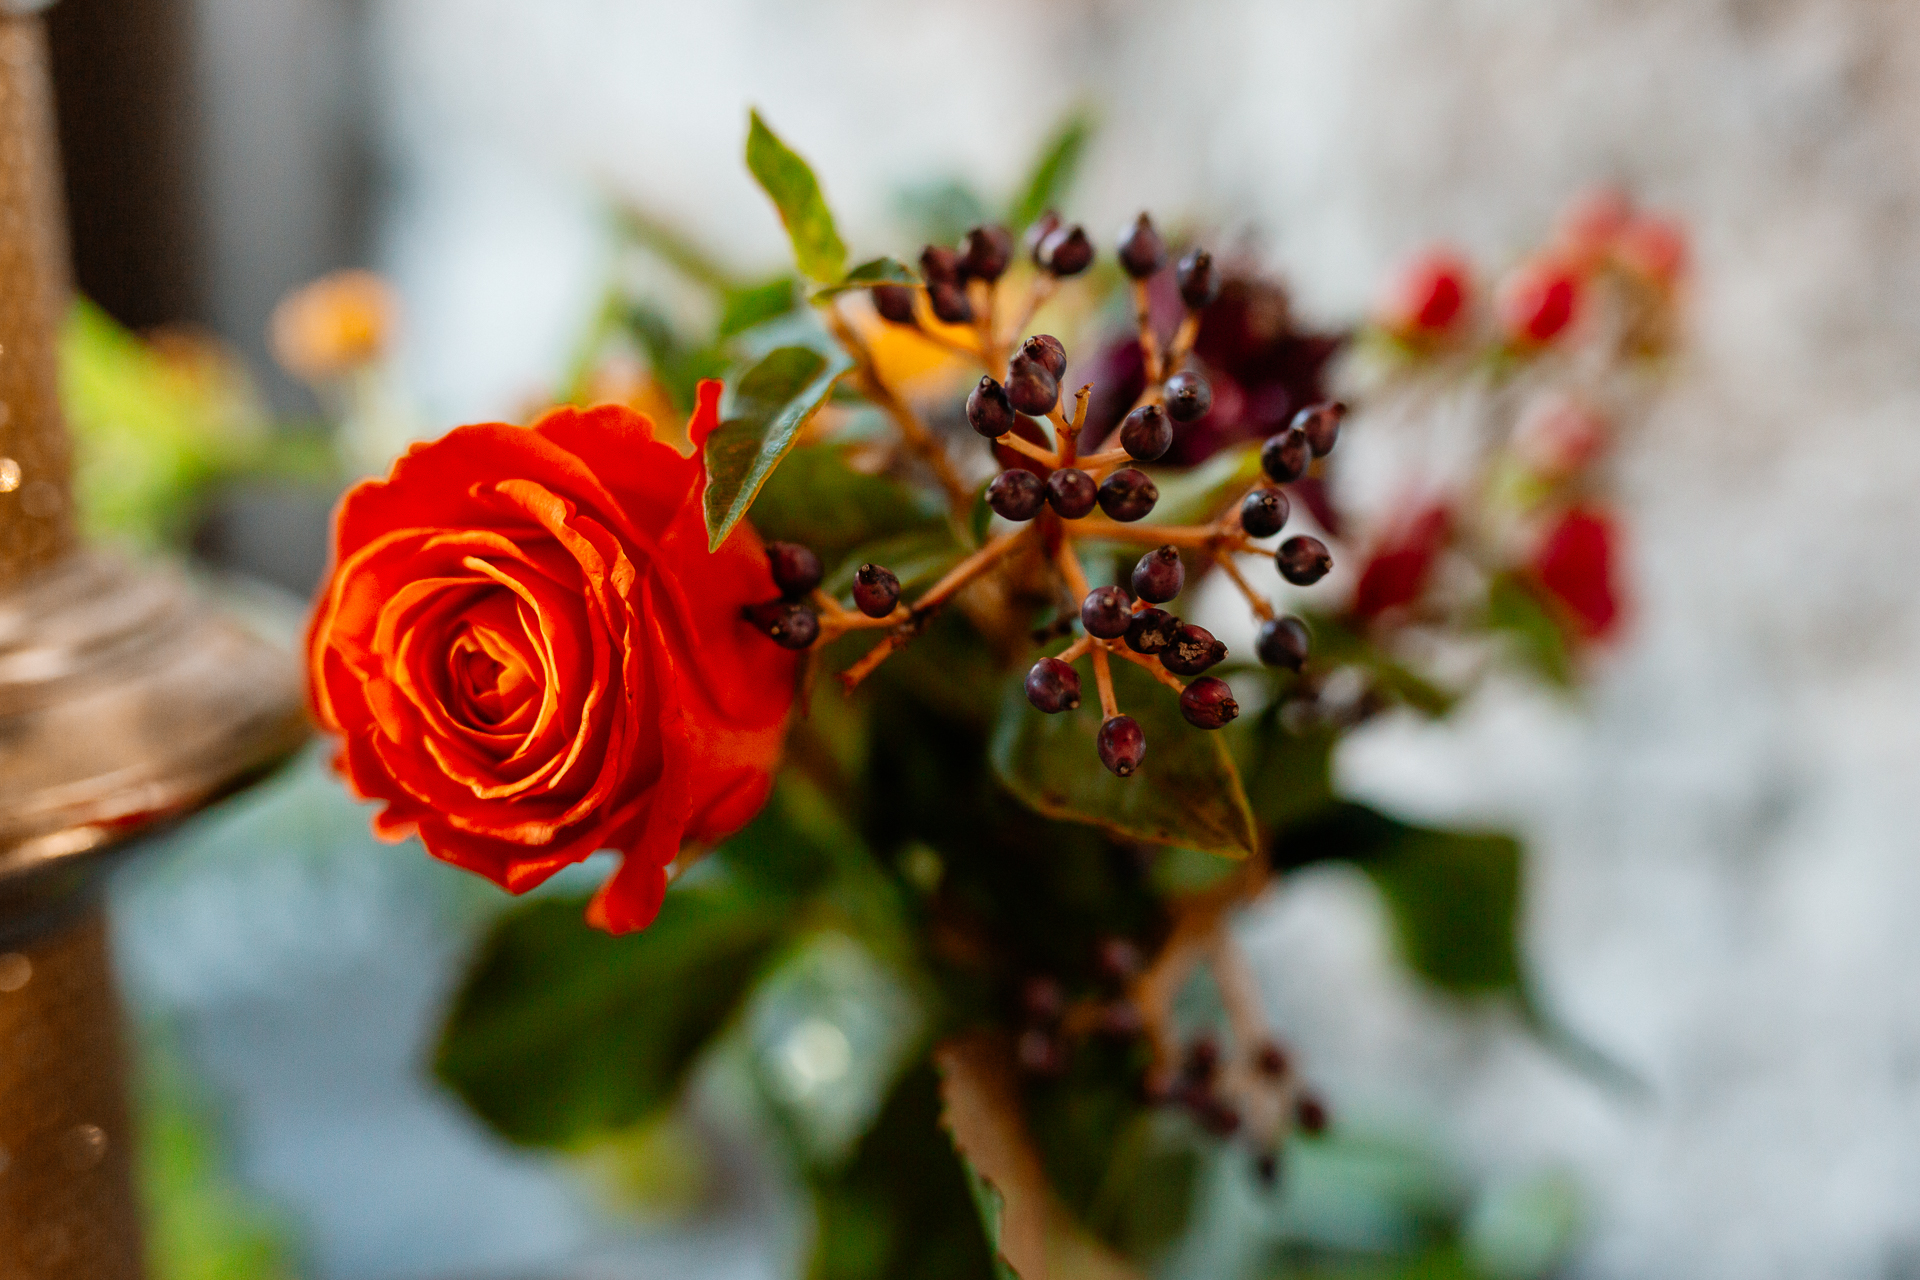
(125, 702)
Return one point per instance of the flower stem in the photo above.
(914, 432)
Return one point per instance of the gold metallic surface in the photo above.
(66, 1193)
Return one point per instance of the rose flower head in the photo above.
(529, 653)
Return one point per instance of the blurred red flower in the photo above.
(1539, 300)
(1430, 295)
(1576, 564)
(1397, 569)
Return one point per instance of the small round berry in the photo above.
(1320, 423)
(1263, 512)
(941, 265)
(1311, 1114)
(1193, 650)
(875, 590)
(1283, 642)
(894, 302)
(1159, 575)
(1151, 631)
(1016, 495)
(1041, 1054)
(1141, 250)
(1147, 433)
(989, 412)
(1266, 1167)
(1208, 703)
(949, 302)
(789, 625)
(986, 252)
(1043, 226)
(1199, 283)
(1188, 397)
(1122, 745)
(1042, 999)
(1218, 1117)
(1071, 493)
(1201, 1061)
(1067, 251)
(1117, 959)
(1046, 351)
(1303, 560)
(1270, 1060)
(1285, 455)
(1053, 686)
(1128, 495)
(796, 569)
(1121, 1020)
(1106, 612)
(1031, 389)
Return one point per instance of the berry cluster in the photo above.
(1053, 489)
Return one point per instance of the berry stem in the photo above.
(1103, 679)
(1254, 598)
(1039, 293)
(1149, 341)
(984, 294)
(1183, 341)
(1202, 536)
(1021, 445)
(1075, 651)
(1094, 463)
(912, 430)
(967, 570)
(1152, 667)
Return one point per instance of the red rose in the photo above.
(1538, 301)
(1576, 563)
(531, 655)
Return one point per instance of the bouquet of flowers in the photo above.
(975, 651)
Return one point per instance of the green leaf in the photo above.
(868, 274)
(562, 1033)
(1187, 791)
(942, 210)
(815, 498)
(755, 304)
(771, 402)
(1195, 495)
(1513, 609)
(1053, 171)
(1288, 776)
(992, 1208)
(795, 192)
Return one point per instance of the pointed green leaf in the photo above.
(868, 274)
(1187, 791)
(1541, 644)
(755, 304)
(1053, 171)
(771, 402)
(815, 498)
(795, 192)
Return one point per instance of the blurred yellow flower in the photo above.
(335, 325)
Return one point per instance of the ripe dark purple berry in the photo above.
(1046, 351)
(1188, 397)
(894, 302)
(949, 302)
(1071, 493)
(1270, 1060)
(1193, 650)
(1147, 433)
(1199, 283)
(1042, 999)
(1106, 612)
(1031, 389)
(789, 625)
(1159, 575)
(1263, 512)
(1053, 686)
(1303, 560)
(1117, 959)
(796, 569)
(1285, 455)
(1311, 1114)
(1283, 642)
(1121, 1020)
(941, 265)
(1266, 1167)
(1122, 745)
(1201, 1061)
(1016, 495)
(1045, 225)
(986, 252)
(875, 590)
(1067, 251)
(989, 412)
(1042, 1054)
(1218, 1117)
(1141, 250)
(1208, 703)
(1151, 631)
(1320, 423)
(1128, 495)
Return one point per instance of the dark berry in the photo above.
(1041, 1054)
(986, 252)
(1218, 1117)
(796, 570)
(1122, 745)
(1045, 225)
(1303, 560)
(1121, 1020)
(1042, 999)
(1285, 455)
(1031, 389)
(1311, 1113)
(1016, 494)
(1320, 423)
(1071, 493)
(1147, 433)
(1188, 397)
(1208, 703)
(1151, 631)
(1282, 643)
(1053, 686)
(1107, 612)
(1270, 1060)
(894, 302)
(1266, 1167)
(989, 412)
(1128, 495)
(1141, 251)
(1199, 283)
(1067, 251)
(1201, 1060)
(1263, 512)
(1117, 959)
(791, 626)
(1193, 650)
(1046, 351)
(875, 590)
(941, 265)
(949, 302)
(1159, 575)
